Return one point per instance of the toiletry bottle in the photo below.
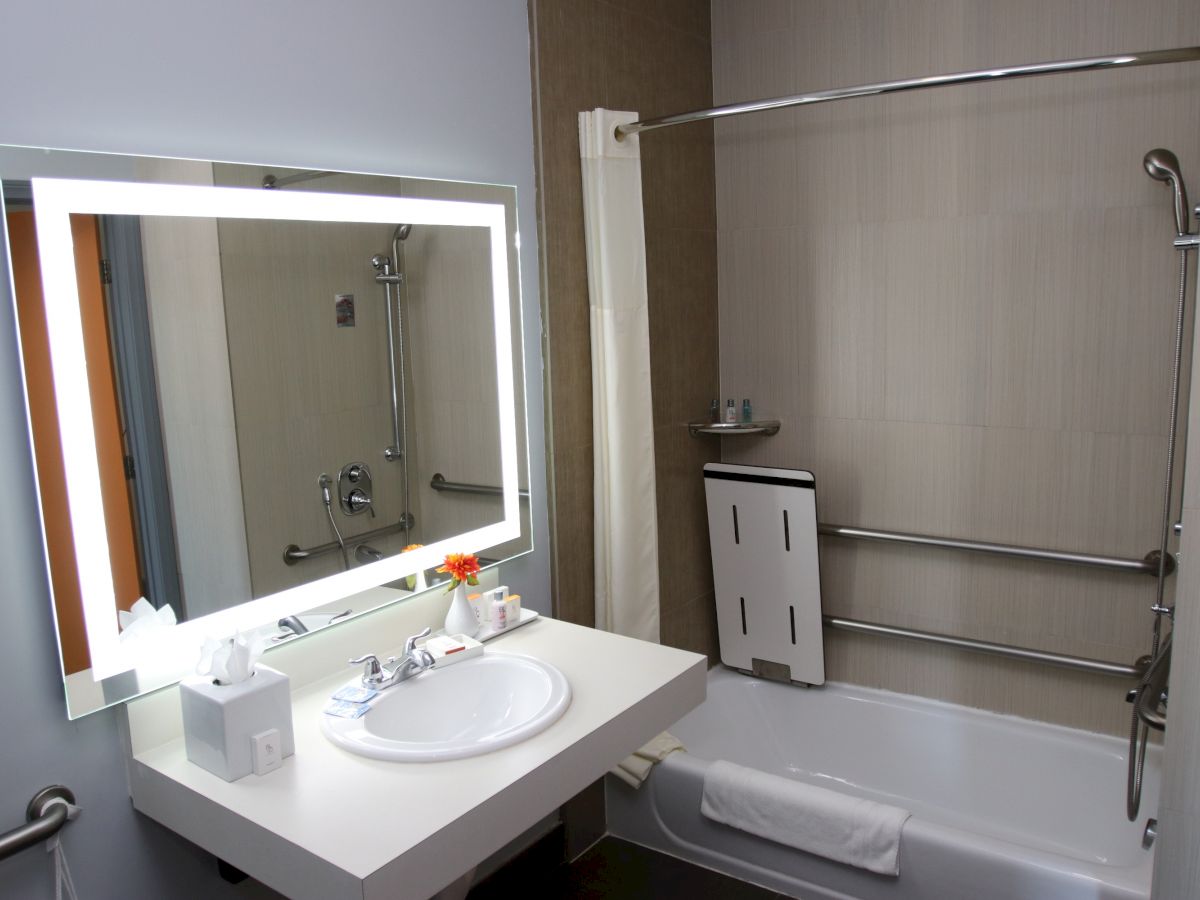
(714, 412)
(730, 412)
(512, 609)
(747, 414)
(499, 611)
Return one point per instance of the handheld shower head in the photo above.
(402, 232)
(1163, 165)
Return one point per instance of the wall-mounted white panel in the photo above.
(762, 525)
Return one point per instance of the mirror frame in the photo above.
(54, 202)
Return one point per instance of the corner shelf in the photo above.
(766, 427)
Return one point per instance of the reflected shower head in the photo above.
(1163, 165)
(402, 232)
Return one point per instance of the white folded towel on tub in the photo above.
(635, 768)
(837, 826)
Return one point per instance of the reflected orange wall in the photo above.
(110, 448)
(47, 445)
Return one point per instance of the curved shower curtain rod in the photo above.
(1118, 61)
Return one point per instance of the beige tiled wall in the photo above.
(960, 303)
(653, 57)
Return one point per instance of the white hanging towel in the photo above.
(626, 525)
(830, 824)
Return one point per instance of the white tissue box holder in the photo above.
(219, 720)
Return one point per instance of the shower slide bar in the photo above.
(1078, 663)
(293, 553)
(45, 815)
(439, 483)
(1147, 565)
(1002, 73)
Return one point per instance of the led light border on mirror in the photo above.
(54, 202)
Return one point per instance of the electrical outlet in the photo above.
(266, 749)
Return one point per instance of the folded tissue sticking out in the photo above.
(237, 715)
(232, 660)
(143, 618)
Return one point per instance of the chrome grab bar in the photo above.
(1148, 565)
(46, 814)
(439, 483)
(1080, 663)
(293, 553)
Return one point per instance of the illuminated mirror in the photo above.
(203, 342)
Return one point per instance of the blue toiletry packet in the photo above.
(346, 710)
(356, 694)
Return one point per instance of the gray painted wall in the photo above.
(439, 90)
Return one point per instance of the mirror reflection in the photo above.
(274, 401)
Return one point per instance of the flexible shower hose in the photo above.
(324, 482)
(1139, 732)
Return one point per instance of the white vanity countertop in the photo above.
(330, 824)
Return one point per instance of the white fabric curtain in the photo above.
(626, 525)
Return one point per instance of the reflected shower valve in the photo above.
(355, 488)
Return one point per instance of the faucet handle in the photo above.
(412, 641)
(372, 671)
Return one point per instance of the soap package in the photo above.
(449, 649)
(219, 720)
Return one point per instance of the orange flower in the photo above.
(412, 547)
(461, 567)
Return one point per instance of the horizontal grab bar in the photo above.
(1079, 663)
(439, 483)
(293, 553)
(46, 814)
(1147, 565)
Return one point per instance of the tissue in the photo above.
(143, 619)
(231, 660)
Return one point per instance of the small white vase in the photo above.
(416, 582)
(460, 619)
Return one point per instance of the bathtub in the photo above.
(1002, 808)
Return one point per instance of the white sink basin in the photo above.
(465, 709)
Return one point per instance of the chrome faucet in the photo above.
(414, 661)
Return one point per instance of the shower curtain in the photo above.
(626, 527)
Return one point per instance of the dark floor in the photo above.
(612, 869)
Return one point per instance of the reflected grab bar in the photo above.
(293, 553)
(439, 483)
(46, 814)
